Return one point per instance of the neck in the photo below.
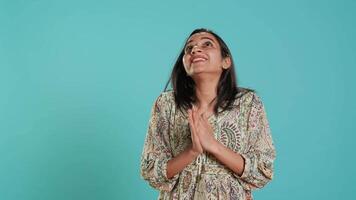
(206, 90)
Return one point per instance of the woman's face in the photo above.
(203, 55)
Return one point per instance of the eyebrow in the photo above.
(202, 38)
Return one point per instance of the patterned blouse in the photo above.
(244, 129)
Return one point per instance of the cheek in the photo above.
(216, 58)
(185, 61)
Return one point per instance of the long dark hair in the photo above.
(184, 86)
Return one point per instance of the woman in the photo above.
(207, 138)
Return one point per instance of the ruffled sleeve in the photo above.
(157, 152)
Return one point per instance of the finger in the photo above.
(201, 115)
(206, 122)
(197, 113)
(192, 112)
(197, 124)
(195, 138)
(195, 108)
(203, 121)
(205, 118)
(202, 118)
(191, 121)
(195, 117)
(193, 134)
(190, 118)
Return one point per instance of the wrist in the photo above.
(215, 147)
(193, 153)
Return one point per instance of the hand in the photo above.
(196, 146)
(201, 130)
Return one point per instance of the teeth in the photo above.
(198, 59)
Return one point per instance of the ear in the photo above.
(226, 62)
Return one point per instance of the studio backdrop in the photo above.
(78, 80)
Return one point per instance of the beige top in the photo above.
(244, 129)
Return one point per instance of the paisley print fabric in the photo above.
(244, 129)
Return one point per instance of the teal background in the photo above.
(78, 79)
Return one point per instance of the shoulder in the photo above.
(249, 97)
(166, 96)
(165, 99)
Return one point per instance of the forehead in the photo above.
(201, 35)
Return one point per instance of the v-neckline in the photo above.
(211, 118)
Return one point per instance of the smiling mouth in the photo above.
(198, 60)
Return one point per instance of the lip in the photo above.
(197, 58)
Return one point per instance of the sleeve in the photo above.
(157, 152)
(260, 152)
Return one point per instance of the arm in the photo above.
(254, 166)
(178, 163)
(229, 158)
(156, 152)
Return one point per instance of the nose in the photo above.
(195, 48)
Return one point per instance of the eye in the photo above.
(188, 48)
(208, 44)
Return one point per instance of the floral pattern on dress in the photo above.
(243, 129)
